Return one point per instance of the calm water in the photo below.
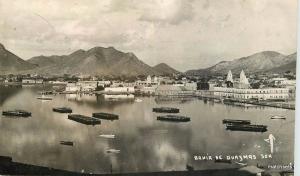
(145, 143)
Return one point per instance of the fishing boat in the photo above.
(17, 113)
(174, 118)
(234, 121)
(43, 97)
(246, 127)
(166, 110)
(84, 119)
(106, 116)
(62, 110)
(278, 117)
(108, 136)
(69, 143)
(112, 151)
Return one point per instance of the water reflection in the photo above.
(145, 144)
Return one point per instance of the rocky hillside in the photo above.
(259, 62)
(96, 61)
(165, 69)
(10, 63)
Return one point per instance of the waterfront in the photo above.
(145, 143)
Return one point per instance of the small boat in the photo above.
(106, 116)
(69, 143)
(174, 118)
(84, 119)
(166, 110)
(138, 100)
(46, 93)
(217, 101)
(17, 113)
(62, 109)
(43, 97)
(241, 164)
(108, 136)
(246, 127)
(278, 117)
(112, 151)
(234, 121)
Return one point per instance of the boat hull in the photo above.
(62, 110)
(251, 128)
(84, 119)
(16, 113)
(166, 110)
(174, 118)
(106, 116)
(233, 121)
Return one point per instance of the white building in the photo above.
(148, 90)
(72, 87)
(241, 90)
(32, 81)
(170, 90)
(119, 90)
(259, 94)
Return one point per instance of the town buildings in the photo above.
(242, 90)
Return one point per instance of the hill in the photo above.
(265, 61)
(95, 61)
(11, 63)
(165, 69)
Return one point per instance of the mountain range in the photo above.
(95, 61)
(112, 62)
(266, 61)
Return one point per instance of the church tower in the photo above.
(229, 76)
(244, 83)
(229, 79)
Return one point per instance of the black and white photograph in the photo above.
(148, 87)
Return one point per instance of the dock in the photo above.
(84, 119)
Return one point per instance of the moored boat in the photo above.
(112, 151)
(246, 127)
(62, 109)
(70, 143)
(278, 117)
(174, 118)
(84, 119)
(43, 97)
(17, 113)
(166, 110)
(106, 116)
(108, 136)
(235, 121)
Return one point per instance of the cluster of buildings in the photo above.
(150, 86)
(258, 87)
(241, 89)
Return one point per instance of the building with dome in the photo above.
(242, 90)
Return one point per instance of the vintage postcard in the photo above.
(147, 87)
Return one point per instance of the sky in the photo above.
(185, 34)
